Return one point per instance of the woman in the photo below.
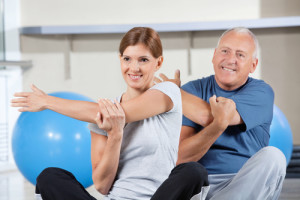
(128, 162)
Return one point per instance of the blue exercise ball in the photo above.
(281, 134)
(48, 139)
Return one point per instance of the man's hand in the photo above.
(30, 101)
(223, 110)
(176, 79)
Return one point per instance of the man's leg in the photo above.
(185, 181)
(261, 177)
(55, 183)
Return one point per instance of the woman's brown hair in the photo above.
(142, 35)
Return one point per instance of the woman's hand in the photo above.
(30, 101)
(111, 117)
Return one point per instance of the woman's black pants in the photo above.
(184, 181)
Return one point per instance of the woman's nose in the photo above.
(134, 65)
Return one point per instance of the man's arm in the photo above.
(193, 146)
(195, 108)
(199, 111)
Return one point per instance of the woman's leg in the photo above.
(185, 181)
(55, 183)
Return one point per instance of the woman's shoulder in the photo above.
(172, 91)
(168, 88)
(165, 84)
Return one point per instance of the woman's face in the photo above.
(138, 67)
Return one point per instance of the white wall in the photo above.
(94, 58)
(12, 24)
(10, 82)
(71, 12)
(280, 52)
(281, 70)
(11, 79)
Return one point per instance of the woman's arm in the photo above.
(150, 103)
(105, 154)
(105, 151)
(196, 109)
(37, 100)
(193, 107)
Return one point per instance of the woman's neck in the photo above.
(131, 93)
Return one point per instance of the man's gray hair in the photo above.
(243, 30)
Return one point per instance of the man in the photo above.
(231, 141)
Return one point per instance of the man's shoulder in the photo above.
(253, 81)
(196, 86)
(202, 80)
(258, 84)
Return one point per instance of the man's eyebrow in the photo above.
(224, 47)
(241, 51)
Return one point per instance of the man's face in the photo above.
(233, 60)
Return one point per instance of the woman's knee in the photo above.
(194, 173)
(51, 175)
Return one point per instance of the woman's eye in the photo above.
(126, 59)
(144, 60)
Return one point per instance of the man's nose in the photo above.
(232, 59)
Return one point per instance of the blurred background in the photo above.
(87, 63)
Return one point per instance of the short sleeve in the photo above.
(94, 128)
(171, 90)
(255, 104)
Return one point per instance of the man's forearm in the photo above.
(199, 111)
(195, 147)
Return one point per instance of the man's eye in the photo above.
(126, 59)
(241, 55)
(224, 51)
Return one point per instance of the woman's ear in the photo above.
(159, 62)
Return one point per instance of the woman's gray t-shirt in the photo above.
(148, 151)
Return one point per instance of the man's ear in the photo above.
(254, 65)
(212, 60)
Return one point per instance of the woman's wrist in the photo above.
(115, 135)
(46, 102)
